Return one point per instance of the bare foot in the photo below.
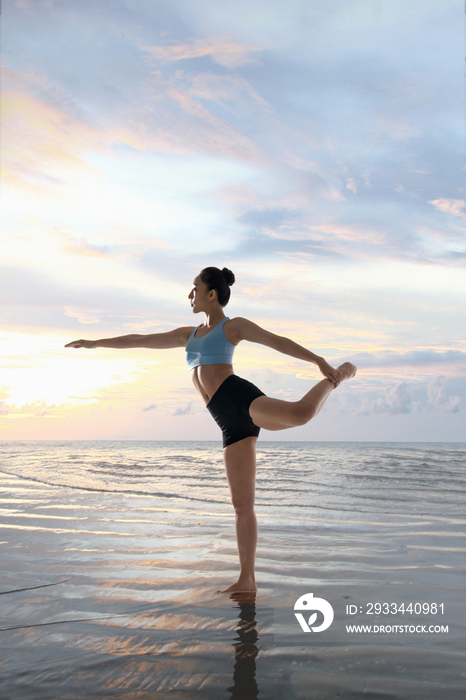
(240, 587)
(347, 370)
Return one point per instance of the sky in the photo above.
(316, 149)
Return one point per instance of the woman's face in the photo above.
(199, 296)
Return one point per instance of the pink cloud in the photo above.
(450, 206)
(222, 51)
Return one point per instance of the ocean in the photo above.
(112, 553)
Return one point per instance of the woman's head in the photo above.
(218, 280)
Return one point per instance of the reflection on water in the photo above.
(110, 563)
(244, 673)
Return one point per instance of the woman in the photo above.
(239, 407)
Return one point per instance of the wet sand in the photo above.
(108, 596)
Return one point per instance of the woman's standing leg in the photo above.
(240, 467)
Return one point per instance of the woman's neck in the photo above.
(213, 317)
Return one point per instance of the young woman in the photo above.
(239, 407)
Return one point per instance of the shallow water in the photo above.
(428, 479)
(112, 553)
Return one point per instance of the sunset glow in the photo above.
(324, 168)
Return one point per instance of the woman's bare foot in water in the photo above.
(241, 587)
(347, 370)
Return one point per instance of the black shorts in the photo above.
(229, 407)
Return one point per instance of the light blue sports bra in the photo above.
(213, 348)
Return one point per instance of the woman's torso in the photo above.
(208, 377)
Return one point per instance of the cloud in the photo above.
(41, 139)
(223, 51)
(202, 131)
(84, 316)
(119, 303)
(437, 397)
(184, 411)
(151, 407)
(450, 206)
(226, 89)
(191, 111)
(351, 185)
(396, 400)
(83, 247)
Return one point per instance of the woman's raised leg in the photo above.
(240, 467)
(275, 414)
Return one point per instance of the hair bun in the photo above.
(229, 276)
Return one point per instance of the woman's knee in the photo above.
(302, 413)
(243, 504)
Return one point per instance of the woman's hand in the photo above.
(81, 344)
(329, 372)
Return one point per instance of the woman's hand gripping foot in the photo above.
(347, 370)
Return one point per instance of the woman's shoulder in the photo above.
(184, 332)
(234, 329)
(236, 323)
(244, 329)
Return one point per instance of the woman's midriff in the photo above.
(208, 378)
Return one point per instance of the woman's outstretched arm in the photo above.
(243, 329)
(157, 341)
